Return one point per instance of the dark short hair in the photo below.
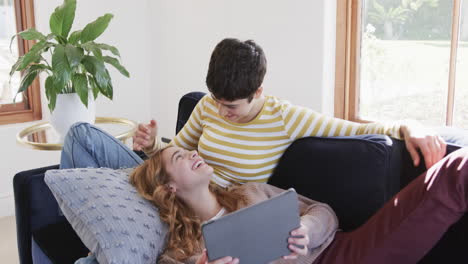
(236, 69)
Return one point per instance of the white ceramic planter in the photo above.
(68, 110)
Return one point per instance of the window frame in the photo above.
(30, 109)
(347, 72)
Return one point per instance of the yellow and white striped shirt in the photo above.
(248, 152)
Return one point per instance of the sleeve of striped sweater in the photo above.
(188, 136)
(302, 122)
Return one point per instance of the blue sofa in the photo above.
(355, 175)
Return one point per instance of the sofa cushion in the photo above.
(38, 254)
(186, 105)
(109, 216)
(58, 243)
(354, 175)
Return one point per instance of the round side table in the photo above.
(42, 136)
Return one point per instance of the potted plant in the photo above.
(76, 69)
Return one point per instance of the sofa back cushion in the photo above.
(354, 175)
(186, 105)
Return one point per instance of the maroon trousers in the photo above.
(412, 222)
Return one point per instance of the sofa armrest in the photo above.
(35, 207)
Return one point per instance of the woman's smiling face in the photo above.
(186, 169)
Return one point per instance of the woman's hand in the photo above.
(145, 135)
(431, 145)
(298, 242)
(226, 260)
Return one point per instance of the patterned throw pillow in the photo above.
(109, 216)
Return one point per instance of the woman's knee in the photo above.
(457, 163)
(79, 131)
(459, 157)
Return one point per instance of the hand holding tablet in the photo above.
(298, 239)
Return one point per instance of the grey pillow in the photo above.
(109, 216)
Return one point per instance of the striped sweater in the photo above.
(248, 152)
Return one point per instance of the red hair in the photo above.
(150, 180)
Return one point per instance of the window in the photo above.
(16, 16)
(402, 59)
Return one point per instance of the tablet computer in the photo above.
(256, 234)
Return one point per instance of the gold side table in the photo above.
(42, 136)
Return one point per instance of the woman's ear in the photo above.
(259, 92)
(171, 188)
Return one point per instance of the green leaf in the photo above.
(104, 90)
(16, 66)
(89, 63)
(97, 69)
(29, 34)
(11, 41)
(32, 34)
(103, 78)
(52, 101)
(114, 62)
(110, 89)
(110, 48)
(62, 18)
(49, 86)
(29, 76)
(96, 48)
(60, 68)
(74, 37)
(94, 87)
(92, 47)
(59, 88)
(107, 91)
(80, 84)
(74, 55)
(95, 28)
(33, 55)
(39, 67)
(97, 53)
(27, 79)
(50, 92)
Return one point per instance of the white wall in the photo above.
(166, 46)
(128, 31)
(297, 36)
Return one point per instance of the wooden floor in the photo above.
(8, 248)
